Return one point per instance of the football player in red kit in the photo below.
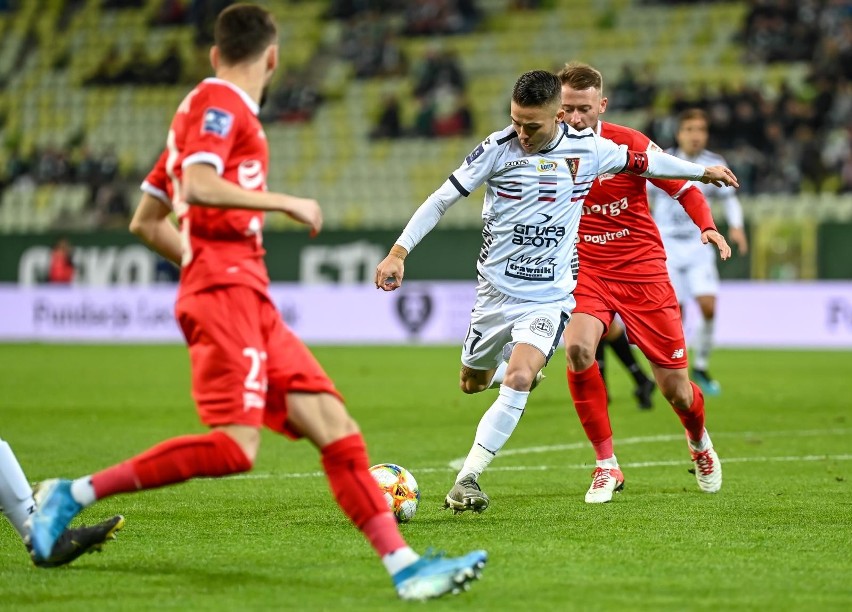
(248, 368)
(623, 271)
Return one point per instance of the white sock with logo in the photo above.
(16, 495)
(495, 428)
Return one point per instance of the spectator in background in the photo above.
(61, 269)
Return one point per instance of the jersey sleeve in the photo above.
(673, 187)
(478, 166)
(612, 157)
(157, 181)
(211, 129)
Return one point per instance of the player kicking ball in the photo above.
(249, 370)
(537, 172)
(17, 503)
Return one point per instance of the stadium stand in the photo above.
(89, 87)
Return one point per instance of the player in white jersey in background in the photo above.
(537, 172)
(691, 264)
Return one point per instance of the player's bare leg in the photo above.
(323, 419)
(703, 346)
(588, 391)
(496, 425)
(687, 400)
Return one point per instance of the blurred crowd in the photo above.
(98, 171)
(798, 138)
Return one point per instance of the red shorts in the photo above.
(650, 313)
(245, 359)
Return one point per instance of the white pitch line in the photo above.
(572, 466)
(456, 464)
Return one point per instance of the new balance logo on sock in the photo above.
(678, 354)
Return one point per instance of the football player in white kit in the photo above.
(691, 264)
(537, 172)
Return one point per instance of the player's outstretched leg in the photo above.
(434, 575)
(466, 495)
(55, 507)
(79, 541)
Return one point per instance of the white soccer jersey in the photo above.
(671, 218)
(532, 208)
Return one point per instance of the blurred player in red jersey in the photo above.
(248, 369)
(623, 271)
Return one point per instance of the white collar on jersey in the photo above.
(246, 98)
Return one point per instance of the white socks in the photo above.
(703, 344)
(16, 495)
(495, 428)
(399, 559)
(83, 492)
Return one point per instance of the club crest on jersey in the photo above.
(573, 166)
(545, 165)
(217, 121)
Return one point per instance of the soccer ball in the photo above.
(399, 488)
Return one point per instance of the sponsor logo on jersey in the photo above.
(573, 166)
(516, 163)
(546, 165)
(531, 268)
(475, 153)
(543, 327)
(217, 121)
(678, 354)
(612, 209)
(604, 238)
(537, 235)
(605, 177)
(250, 174)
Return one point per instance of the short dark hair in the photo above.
(244, 31)
(580, 76)
(693, 113)
(537, 88)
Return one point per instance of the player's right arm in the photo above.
(202, 186)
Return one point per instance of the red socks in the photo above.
(589, 394)
(693, 419)
(347, 467)
(173, 461)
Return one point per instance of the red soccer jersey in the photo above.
(216, 124)
(618, 237)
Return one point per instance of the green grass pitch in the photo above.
(777, 537)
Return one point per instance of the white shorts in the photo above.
(692, 268)
(498, 319)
